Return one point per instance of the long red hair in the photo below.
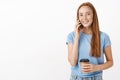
(95, 41)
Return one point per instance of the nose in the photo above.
(84, 17)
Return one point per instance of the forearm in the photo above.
(104, 66)
(74, 54)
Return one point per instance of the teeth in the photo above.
(85, 22)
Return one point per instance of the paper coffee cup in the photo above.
(84, 61)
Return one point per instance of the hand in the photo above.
(87, 68)
(77, 27)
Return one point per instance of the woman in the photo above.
(88, 42)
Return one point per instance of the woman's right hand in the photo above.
(78, 29)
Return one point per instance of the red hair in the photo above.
(95, 41)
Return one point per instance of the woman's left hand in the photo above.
(88, 68)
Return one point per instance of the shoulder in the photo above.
(103, 34)
(105, 37)
(70, 37)
(72, 34)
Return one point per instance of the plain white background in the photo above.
(33, 36)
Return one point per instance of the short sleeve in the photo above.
(70, 38)
(107, 41)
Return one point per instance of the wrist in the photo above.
(98, 68)
(77, 37)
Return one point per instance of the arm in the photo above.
(109, 59)
(73, 52)
(106, 65)
(73, 48)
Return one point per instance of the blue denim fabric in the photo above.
(75, 77)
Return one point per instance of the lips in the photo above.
(85, 22)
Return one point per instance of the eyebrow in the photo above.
(86, 12)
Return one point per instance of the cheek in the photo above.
(80, 18)
(90, 18)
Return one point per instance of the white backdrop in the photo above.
(33, 35)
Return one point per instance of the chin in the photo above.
(86, 26)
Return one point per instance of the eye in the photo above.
(88, 14)
(80, 14)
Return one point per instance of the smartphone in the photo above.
(81, 26)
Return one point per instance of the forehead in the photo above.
(85, 9)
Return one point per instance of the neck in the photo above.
(87, 31)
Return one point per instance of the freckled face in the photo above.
(86, 16)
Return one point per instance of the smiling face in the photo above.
(86, 16)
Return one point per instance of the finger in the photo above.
(78, 22)
(86, 70)
(78, 25)
(86, 65)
